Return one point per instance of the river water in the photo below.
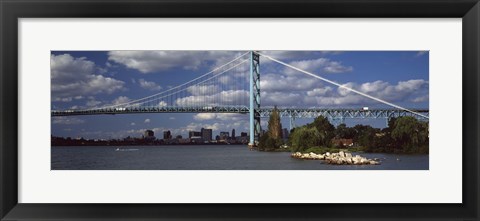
(209, 157)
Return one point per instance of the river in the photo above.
(209, 157)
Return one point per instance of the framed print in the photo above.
(239, 110)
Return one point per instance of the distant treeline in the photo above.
(403, 135)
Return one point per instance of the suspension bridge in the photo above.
(234, 87)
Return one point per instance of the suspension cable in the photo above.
(212, 71)
(343, 86)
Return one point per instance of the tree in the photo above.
(275, 125)
(342, 131)
(273, 138)
(411, 135)
(325, 128)
(365, 136)
(303, 138)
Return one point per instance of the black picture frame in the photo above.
(10, 11)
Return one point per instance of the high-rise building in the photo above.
(233, 133)
(206, 134)
(194, 134)
(243, 134)
(149, 133)
(224, 135)
(167, 135)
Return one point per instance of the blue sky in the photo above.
(92, 79)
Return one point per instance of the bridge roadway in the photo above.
(264, 112)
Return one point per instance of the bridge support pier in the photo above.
(255, 128)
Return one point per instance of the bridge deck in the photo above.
(264, 112)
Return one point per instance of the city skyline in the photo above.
(93, 79)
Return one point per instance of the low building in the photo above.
(149, 135)
(342, 142)
(194, 134)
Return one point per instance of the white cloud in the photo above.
(149, 85)
(420, 99)
(320, 91)
(203, 89)
(294, 82)
(281, 98)
(92, 103)
(64, 99)
(73, 77)
(205, 116)
(67, 120)
(319, 66)
(227, 97)
(132, 124)
(415, 90)
(147, 121)
(162, 104)
(154, 61)
(120, 100)
(220, 116)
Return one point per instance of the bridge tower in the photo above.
(255, 127)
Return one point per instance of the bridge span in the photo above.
(234, 87)
(339, 114)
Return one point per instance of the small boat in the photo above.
(118, 149)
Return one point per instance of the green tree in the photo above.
(275, 125)
(303, 138)
(342, 131)
(273, 138)
(365, 136)
(411, 135)
(325, 129)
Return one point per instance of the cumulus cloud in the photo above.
(120, 100)
(154, 61)
(320, 65)
(149, 85)
(320, 91)
(295, 82)
(204, 116)
(227, 97)
(197, 90)
(67, 120)
(420, 99)
(415, 90)
(219, 116)
(147, 121)
(162, 104)
(92, 103)
(73, 77)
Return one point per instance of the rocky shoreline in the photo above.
(340, 158)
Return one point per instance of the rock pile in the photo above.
(336, 158)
